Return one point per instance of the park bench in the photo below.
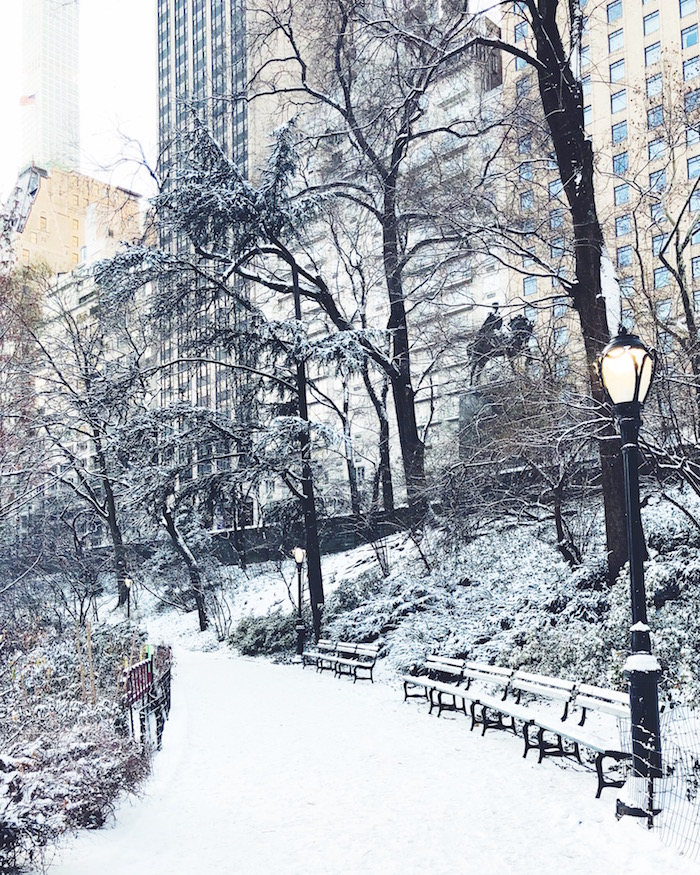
(479, 679)
(437, 668)
(539, 723)
(450, 683)
(356, 660)
(322, 657)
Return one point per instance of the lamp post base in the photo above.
(301, 635)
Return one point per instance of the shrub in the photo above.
(273, 633)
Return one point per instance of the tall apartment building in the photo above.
(201, 70)
(50, 97)
(640, 68)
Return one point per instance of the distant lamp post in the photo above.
(127, 583)
(299, 555)
(626, 369)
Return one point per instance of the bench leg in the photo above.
(528, 743)
(602, 780)
(407, 695)
(432, 702)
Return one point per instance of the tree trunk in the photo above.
(562, 101)
(120, 564)
(313, 549)
(384, 470)
(412, 448)
(192, 565)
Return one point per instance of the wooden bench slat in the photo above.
(543, 680)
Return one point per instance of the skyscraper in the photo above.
(50, 104)
(202, 72)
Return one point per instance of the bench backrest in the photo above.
(365, 651)
(326, 644)
(542, 685)
(489, 674)
(589, 698)
(443, 667)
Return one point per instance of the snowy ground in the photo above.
(274, 769)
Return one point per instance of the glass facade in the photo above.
(50, 97)
(202, 69)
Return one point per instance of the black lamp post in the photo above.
(299, 555)
(626, 368)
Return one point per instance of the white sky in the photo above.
(117, 88)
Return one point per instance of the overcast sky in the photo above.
(117, 87)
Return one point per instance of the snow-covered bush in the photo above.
(271, 634)
(64, 755)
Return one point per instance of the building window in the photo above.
(618, 101)
(586, 84)
(695, 201)
(619, 132)
(656, 149)
(691, 68)
(75, 224)
(585, 57)
(661, 277)
(587, 116)
(561, 366)
(655, 117)
(620, 163)
(527, 200)
(687, 7)
(525, 170)
(617, 71)
(651, 23)
(694, 167)
(555, 188)
(662, 310)
(627, 319)
(691, 101)
(657, 243)
(525, 145)
(657, 180)
(623, 225)
(665, 342)
(561, 336)
(689, 36)
(627, 287)
(654, 85)
(556, 219)
(520, 63)
(692, 136)
(520, 31)
(695, 266)
(695, 236)
(560, 307)
(657, 214)
(652, 54)
(616, 40)
(624, 256)
(622, 194)
(556, 248)
(529, 285)
(614, 11)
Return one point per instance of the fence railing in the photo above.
(147, 691)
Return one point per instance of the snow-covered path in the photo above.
(271, 770)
